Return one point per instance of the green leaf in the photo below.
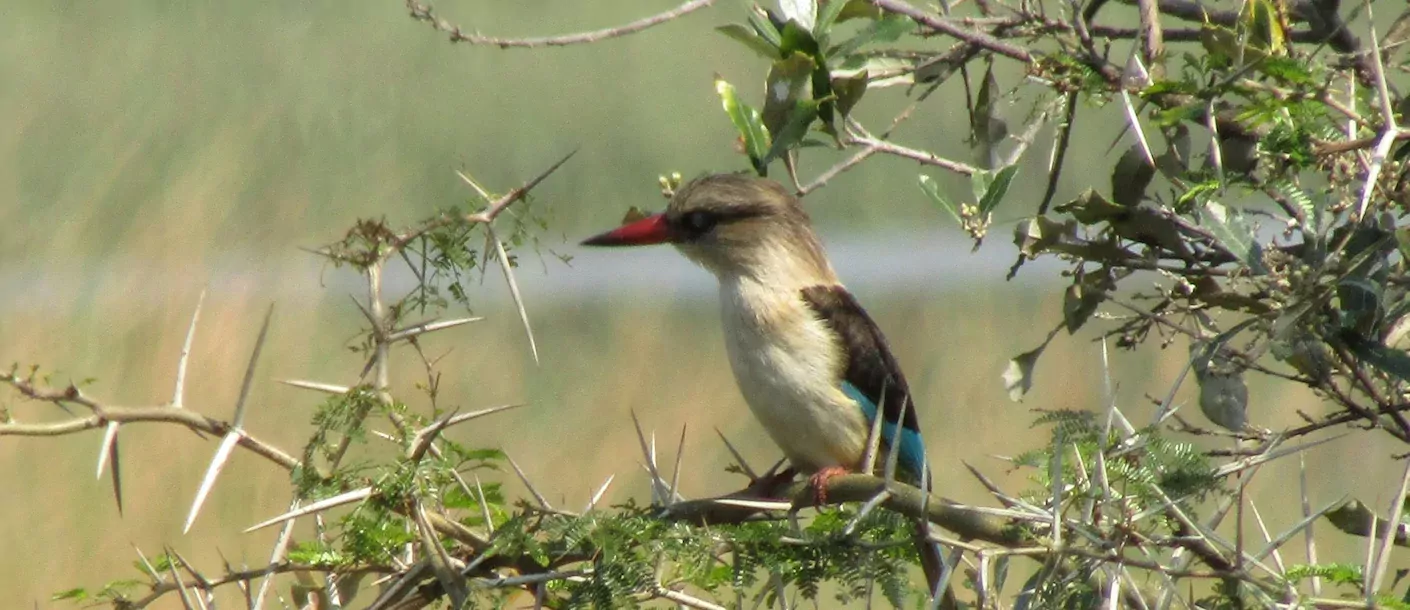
(1170, 117)
(1229, 227)
(979, 183)
(788, 82)
(78, 594)
(860, 9)
(765, 29)
(1131, 176)
(997, 188)
(1082, 297)
(802, 12)
(795, 39)
(1018, 376)
(848, 92)
(1037, 235)
(750, 38)
(830, 12)
(747, 122)
(879, 71)
(1360, 308)
(880, 31)
(984, 122)
(1197, 194)
(1392, 361)
(1402, 241)
(1001, 572)
(931, 189)
(791, 134)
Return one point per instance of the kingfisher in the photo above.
(813, 367)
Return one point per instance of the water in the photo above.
(933, 261)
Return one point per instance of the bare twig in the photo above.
(424, 12)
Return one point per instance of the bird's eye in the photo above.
(699, 222)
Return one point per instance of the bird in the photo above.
(813, 367)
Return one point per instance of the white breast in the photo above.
(786, 362)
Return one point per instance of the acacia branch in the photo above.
(945, 26)
(485, 216)
(423, 12)
(102, 414)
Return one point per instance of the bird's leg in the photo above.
(819, 481)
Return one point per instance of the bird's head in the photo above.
(731, 224)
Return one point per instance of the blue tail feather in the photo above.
(912, 449)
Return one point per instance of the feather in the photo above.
(870, 374)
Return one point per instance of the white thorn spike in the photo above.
(316, 386)
(241, 404)
(514, 290)
(600, 491)
(277, 555)
(676, 474)
(109, 437)
(738, 459)
(428, 327)
(178, 393)
(484, 506)
(755, 504)
(522, 477)
(356, 495)
(222, 455)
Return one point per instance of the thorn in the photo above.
(180, 584)
(474, 185)
(484, 506)
(893, 452)
(514, 290)
(865, 510)
(116, 468)
(275, 556)
(519, 471)
(441, 562)
(461, 418)
(493, 209)
(738, 459)
(241, 403)
(650, 454)
(147, 565)
(755, 504)
(423, 439)
(874, 438)
(178, 393)
(222, 455)
(1396, 510)
(676, 476)
(598, 494)
(428, 327)
(104, 450)
(326, 388)
(356, 495)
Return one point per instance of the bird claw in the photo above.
(819, 482)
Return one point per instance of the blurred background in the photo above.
(149, 151)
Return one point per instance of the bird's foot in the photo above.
(819, 482)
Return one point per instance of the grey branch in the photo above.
(423, 12)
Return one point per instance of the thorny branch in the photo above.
(423, 12)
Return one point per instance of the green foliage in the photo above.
(1141, 472)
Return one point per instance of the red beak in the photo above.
(650, 230)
